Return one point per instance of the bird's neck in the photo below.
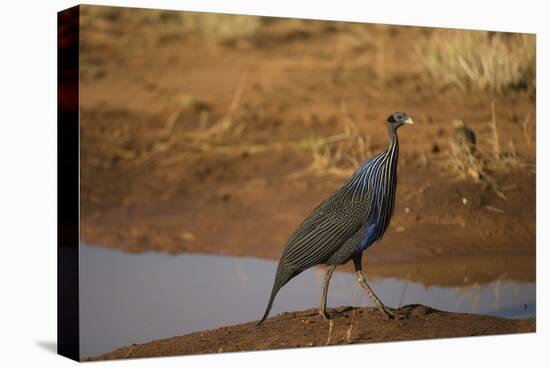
(394, 141)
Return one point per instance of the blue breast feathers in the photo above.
(370, 236)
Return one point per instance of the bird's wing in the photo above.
(323, 233)
(336, 219)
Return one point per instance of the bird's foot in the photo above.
(392, 314)
(329, 316)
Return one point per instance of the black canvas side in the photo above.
(68, 183)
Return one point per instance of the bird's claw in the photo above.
(389, 314)
(325, 315)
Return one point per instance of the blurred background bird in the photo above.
(464, 138)
(463, 151)
(467, 160)
(346, 223)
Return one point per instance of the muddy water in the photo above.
(129, 298)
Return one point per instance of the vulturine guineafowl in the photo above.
(346, 223)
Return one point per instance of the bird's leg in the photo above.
(323, 308)
(363, 282)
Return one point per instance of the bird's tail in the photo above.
(283, 275)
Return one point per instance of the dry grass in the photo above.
(349, 330)
(465, 59)
(227, 124)
(348, 337)
(476, 167)
(213, 138)
(483, 166)
(330, 326)
(494, 132)
(374, 43)
(468, 60)
(527, 130)
(339, 154)
(481, 60)
(220, 27)
(223, 136)
(506, 159)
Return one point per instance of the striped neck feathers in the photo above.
(375, 175)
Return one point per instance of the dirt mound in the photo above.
(306, 329)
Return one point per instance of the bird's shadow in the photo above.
(50, 346)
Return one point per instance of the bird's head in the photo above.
(458, 123)
(397, 119)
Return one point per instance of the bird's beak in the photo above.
(409, 121)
